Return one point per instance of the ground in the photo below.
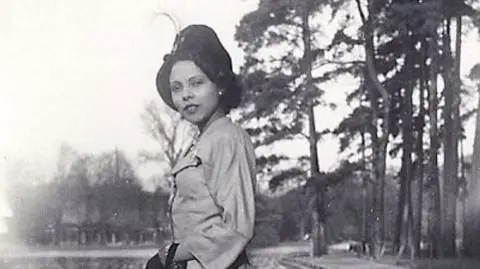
(287, 255)
(426, 263)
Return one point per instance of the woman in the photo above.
(212, 207)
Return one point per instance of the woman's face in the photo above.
(194, 95)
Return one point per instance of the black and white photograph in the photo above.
(240, 134)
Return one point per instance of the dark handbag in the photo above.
(156, 263)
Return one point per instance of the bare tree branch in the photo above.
(169, 131)
(362, 14)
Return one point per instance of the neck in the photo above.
(216, 115)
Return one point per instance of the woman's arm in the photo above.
(232, 185)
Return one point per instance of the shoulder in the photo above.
(226, 138)
(230, 132)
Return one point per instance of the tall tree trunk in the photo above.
(365, 204)
(450, 142)
(318, 212)
(409, 235)
(304, 213)
(420, 123)
(399, 221)
(379, 143)
(407, 223)
(399, 218)
(436, 216)
(301, 233)
(456, 106)
(375, 218)
(472, 218)
(407, 167)
(462, 196)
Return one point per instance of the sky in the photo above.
(81, 73)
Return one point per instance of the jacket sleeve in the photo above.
(231, 179)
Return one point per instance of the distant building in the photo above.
(3, 226)
(5, 222)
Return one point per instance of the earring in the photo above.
(220, 93)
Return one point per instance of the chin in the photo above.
(193, 119)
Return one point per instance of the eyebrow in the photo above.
(199, 76)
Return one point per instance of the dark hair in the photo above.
(225, 80)
(200, 44)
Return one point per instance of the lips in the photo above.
(190, 108)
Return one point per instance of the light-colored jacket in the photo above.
(213, 207)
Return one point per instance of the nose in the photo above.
(187, 94)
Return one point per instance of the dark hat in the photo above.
(200, 44)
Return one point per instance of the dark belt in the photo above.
(241, 260)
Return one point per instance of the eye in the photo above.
(175, 87)
(197, 82)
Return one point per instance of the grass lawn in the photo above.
(448, 264)
(435, 264)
